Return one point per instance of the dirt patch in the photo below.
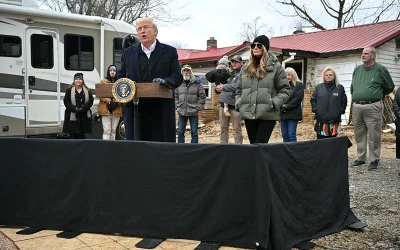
(209, 133)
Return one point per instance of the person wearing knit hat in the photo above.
(261, 91)
(220, 76)
(263, 40)
(227, 113)
(109, 109)
(77, 101)
(190, 98)
(224, 61)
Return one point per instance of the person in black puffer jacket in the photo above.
(291, 112)
(396, 111)
(329, 102)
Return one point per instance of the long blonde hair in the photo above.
(295, 77)
(330, 68)
(252, 69)
(83, 84)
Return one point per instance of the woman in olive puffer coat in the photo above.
(261, 91)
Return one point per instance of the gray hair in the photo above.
(373, 50)
(153, 23)
(330, 68)
(295, 77)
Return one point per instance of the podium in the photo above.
(143, 90)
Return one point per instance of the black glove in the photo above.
(284, 108)
(162, 82)
(112, 106)
(158, 80)
(78, 110)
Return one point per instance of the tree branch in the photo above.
(303, 14)
(344, 12)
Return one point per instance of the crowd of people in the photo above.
(259, 92)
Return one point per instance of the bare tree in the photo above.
(126, 10)
(55, 5)
(251, 30)
(177, 44)
(351, 12)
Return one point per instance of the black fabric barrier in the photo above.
(273, 195)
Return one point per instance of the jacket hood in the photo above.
(272, 59)
(108, 73)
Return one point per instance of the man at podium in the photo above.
(151, 61)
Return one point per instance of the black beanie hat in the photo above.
(263, 40)
(78, 75)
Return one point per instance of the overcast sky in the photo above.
(220, 19)
(223, 20)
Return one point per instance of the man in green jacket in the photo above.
(371, 82)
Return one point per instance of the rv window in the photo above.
(117, 51)
(42, 55)
(10, 46)
(79, 52)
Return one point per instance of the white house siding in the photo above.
(386, 55)
(344, 66)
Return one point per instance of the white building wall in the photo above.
(386, 55)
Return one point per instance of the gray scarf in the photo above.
(73, 101)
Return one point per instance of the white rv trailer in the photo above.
(40, 51)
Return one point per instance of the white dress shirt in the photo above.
(148, 52)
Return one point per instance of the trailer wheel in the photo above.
(120, 133)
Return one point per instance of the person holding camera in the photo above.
(109, 109)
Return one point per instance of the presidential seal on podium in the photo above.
(124, 90)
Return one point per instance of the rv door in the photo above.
(42, 85)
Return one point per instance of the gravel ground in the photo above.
(374, 195)
(375, 200)
(6, 244)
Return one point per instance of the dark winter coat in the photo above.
(218, 76)
(160, 112)
(293, 110)
(105, 102)
(261, 99)
(396, 111)
(190, 98)
(228, 94)
(329, 102)
(83, 123)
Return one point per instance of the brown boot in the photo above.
(226, 112)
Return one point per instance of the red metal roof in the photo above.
(349, 38)
(190, 55)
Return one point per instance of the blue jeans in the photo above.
(289, 128)
(194, 123)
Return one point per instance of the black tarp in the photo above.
(276, 195)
